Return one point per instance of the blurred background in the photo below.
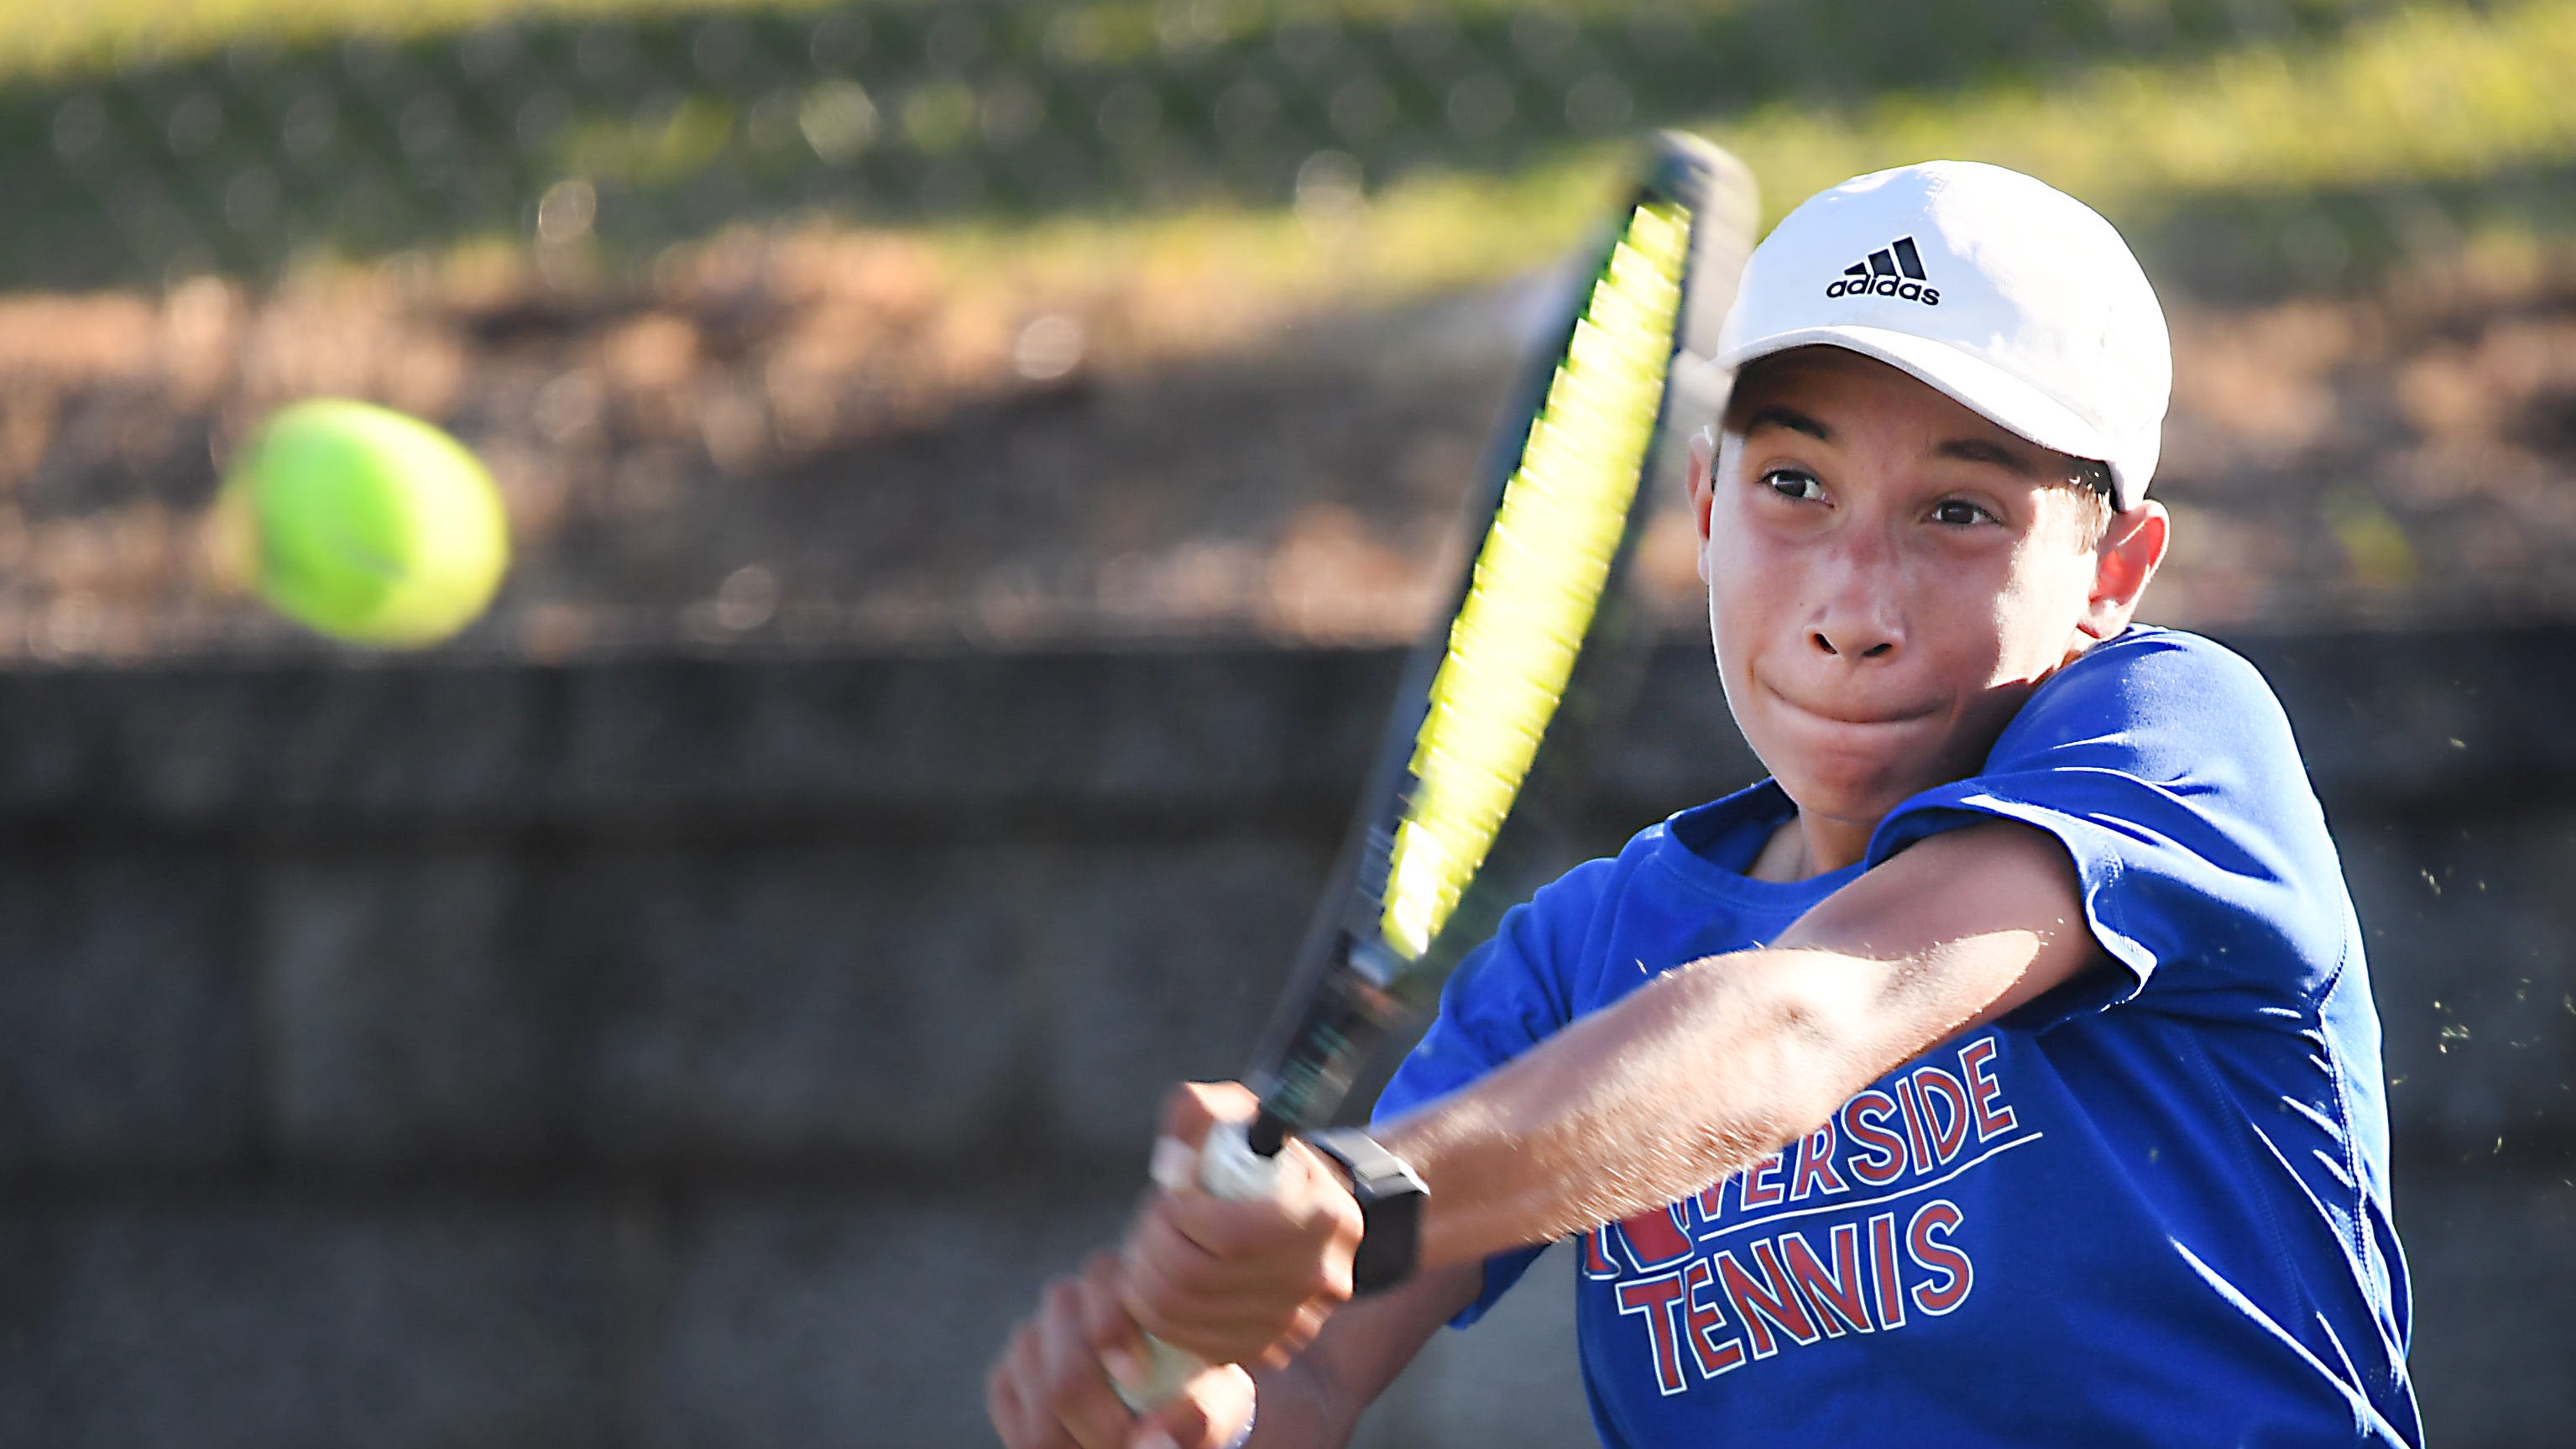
(969, 466)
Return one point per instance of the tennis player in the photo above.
(2001, 1070)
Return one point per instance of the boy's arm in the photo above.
(1315, 1399)
(1049, 1389)
(1707, 1068)
(1694, 1075)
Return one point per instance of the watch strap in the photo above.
(1390, 1194)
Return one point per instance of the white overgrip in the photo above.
(1225, 1167)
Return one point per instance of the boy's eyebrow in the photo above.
(1979, 450)
(1777, 416)
(1966, 450)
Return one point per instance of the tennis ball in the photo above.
(364, 523)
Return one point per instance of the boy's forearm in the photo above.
(1697, 1074)
(1710, 1066)
(1294, 1406)
(1315, 1400)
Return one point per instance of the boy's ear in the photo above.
(2132, 548)
(1695, 480)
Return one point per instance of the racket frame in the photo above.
(1348, 986)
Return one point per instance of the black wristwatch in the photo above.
(1390, 1198)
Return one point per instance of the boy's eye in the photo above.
(1794, 483)
(1959, 513)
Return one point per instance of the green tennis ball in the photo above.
(366, 524)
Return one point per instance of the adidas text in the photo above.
(1911, 291)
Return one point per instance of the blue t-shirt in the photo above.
(2148, 1208)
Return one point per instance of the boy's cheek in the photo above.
(1733, 575)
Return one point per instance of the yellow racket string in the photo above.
(1538, 577)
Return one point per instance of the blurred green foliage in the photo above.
(2260, 143)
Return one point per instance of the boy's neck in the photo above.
(1806, 846)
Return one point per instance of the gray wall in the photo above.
(716, 1052)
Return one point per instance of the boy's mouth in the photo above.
(1850, 714)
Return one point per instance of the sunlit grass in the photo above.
(1428, 235)
(2446, 95)
(39, 38)
(2422, 97)
(44, 38)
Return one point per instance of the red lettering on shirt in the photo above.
(1653, 1299)
(1655, 1240)
(1715, 1297)
(1914, 1134)
(1761, 1184)
(1702, 1320)
(1757, 1298)
(1861, 1117)
(1957, 1274)
(1945, 1110)
(1979, 1058)
(1815, 1164)
(1841, 1297)
(1765, 1304)
(1883, 1268)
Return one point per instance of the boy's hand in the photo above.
(1049, 1390)
(1239, 1282)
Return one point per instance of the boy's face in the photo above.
(1889, 575)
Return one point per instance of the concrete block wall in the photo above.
(712, 1052)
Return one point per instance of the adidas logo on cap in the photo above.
(1894, 270)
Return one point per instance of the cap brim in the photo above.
(1976, 384)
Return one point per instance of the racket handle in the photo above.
(1229, 1166)
(1167, 1370)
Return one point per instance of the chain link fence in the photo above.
(1146, 278)
(627, 133)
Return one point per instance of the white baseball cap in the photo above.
(2009, 295)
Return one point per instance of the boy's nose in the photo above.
(1855, 640)
(1856, 617)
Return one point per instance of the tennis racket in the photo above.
(1557, 517)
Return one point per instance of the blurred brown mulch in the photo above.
(846, 441)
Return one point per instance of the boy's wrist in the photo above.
(1390, 1194)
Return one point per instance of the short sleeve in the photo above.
(2166, 768)
(1510, 994)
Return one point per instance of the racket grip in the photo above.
(1166, 1371)
(1228, 1166)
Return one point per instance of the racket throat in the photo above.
(1342, 1021)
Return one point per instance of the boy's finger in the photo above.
(1225, 1311)
(1302, 1331)
(1009, 1399)
(1170, 1287)
(1018, 1426)
(1311, 1213)
(1076, 1387)
(1193, 1107)
(1002, 1405)
(1115, 1339)
(1206, 1414)
(1218, 1329)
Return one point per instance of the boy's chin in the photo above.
(1858, 802)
